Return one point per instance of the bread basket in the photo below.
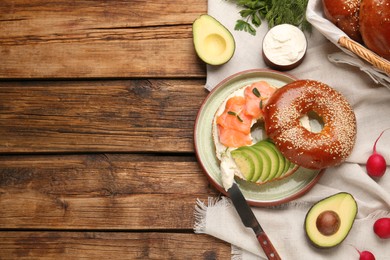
(314, 15)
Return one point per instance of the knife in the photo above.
(249, 220)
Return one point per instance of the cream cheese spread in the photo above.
(228, 170)
(284, 44)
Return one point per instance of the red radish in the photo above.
(366, 255)
(376, 163)
(382, 227)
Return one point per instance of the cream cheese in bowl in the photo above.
(284, 47)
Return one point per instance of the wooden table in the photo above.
(98, 101)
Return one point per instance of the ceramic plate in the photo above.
(269, 194)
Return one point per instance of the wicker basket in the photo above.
(367, 55)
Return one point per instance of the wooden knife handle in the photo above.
(267, 246)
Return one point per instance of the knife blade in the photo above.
(248, 218)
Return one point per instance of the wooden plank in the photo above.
(111, 245)
(105, 116)
(59, 16)
(104, 54)
(95, 39)
(99, 192)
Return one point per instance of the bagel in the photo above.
(345, 15)
(314, 150)
(243, 109)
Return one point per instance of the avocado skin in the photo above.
(353, 216)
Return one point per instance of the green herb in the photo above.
(236, 115)
(256, 92)
(261, 104)
(273, 11)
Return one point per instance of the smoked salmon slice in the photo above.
(234, 116)
(233, 138)
(256, 96)
(234, 124)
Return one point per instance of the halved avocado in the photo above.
(329, 221)
(213, 42)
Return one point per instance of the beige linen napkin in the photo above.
(284, 223)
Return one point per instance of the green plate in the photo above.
(269, 194)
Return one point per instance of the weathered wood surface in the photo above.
(111, 245)
(94, 39)
(98, 100)
(91, 116)
(100, 192)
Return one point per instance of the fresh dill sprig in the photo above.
(275, 12)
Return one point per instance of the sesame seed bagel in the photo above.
(309, 149)
(224, 152)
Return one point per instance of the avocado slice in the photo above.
(244, 162)
(287, 166)
(213, 42)
(284, 164)
(329, 221)
(257, 161)
(267, 163)
(273, 162)
(281, 162)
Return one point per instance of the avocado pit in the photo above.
(328, 223)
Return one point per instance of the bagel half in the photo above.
(235, 162)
